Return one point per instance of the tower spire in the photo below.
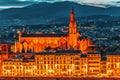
(72, 15)
(72, 24)
(72, 31)
(72, 11)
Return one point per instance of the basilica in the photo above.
(39, 42)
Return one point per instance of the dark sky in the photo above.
(21, 3)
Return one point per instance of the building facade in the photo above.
(4, 50)
(61, 63)
(39, 42)
(113, 64)
(94, 61)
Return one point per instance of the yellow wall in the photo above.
(113, 65)
(44, 65)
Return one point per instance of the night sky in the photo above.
(21, 3)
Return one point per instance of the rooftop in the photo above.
(82, 37)
(94, 53)
(113, 50)
(83, 55)
(63, 52)
(44, 35)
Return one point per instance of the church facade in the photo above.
(39, 42)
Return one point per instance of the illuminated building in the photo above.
(94, 60)
(103, 66)
(18, 68)
(83, 64)
(39, 42)
(61, 63)
(4, 49)
(113, 64)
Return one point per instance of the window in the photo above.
(57, 67)
(77, 63)
(60, 62)
(51, 58)
(64, 66)
(51, 62)
(44, 58)
(41, 67)
(77, 58)
(51, 66)
(77, 68)
(60, 67)
(68, 67)
(37, 62)
(44, 62)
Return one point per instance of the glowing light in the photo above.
(50, 70)
(35, 67)
(118, 65)
(55, 65)
(69, 70)
(14, 66)
(8, 71)
(110, 71)
(73, 65)
(3, 67)
(21, 66)
(28, 70)
(46, 65)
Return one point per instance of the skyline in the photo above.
(60, 55)
(4, 4)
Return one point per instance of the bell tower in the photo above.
(72, 31)
(72, 24)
